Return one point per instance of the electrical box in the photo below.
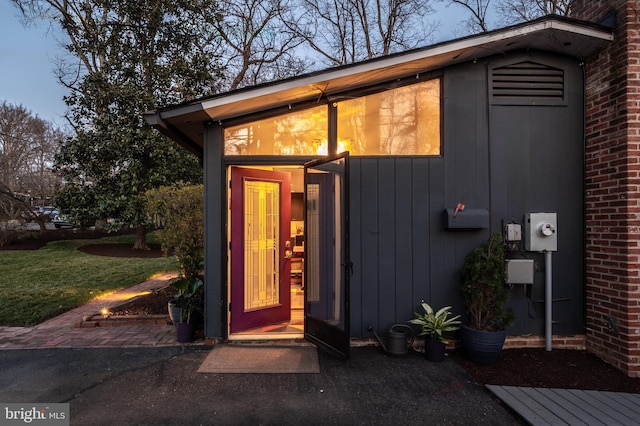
(541, 232)
(520, 271)
(513, 232)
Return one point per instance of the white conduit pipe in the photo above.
(548, 300)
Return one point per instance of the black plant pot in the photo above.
(185, 332)
(433, 349)
(481, 346)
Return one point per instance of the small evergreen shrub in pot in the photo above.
(485, 294)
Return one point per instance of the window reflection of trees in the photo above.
(404, 121)
(299, 133)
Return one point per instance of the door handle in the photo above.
(349, 266)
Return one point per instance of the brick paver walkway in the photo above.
(59, 332)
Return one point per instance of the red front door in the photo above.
(260, 248)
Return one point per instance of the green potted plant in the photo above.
(187, 300)
(485, 294)
(434, 325)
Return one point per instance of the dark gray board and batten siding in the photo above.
(537, 165)
(510, 158)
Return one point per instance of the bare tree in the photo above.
(39, 178)
(16, 139)
(514, 11)
(477, 22)
(28, 146)
(347, 31)
(254, 45)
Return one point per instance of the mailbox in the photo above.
(467, 219)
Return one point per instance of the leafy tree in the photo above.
(131, 57)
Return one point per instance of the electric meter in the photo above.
(540, 232)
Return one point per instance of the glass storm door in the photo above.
(260, 232)
(327, 265)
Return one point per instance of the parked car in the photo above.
(51, 214)
(62, 221)
(48, 213)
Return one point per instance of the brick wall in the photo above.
(574, 342)
(613, 188)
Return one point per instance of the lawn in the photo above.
(40, 284)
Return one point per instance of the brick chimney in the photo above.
(612, 167)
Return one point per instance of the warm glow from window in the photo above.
(261, 244)
(402, 121)
(343, 146)
(297, 133)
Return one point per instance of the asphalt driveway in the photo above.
(160, 386)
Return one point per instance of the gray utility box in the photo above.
(540, 232)
(520, 271)
(467, 219)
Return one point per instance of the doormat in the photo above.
(261, 360)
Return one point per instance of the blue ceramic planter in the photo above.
(481, 346)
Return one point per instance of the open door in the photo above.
(260, 248)
(327, 264)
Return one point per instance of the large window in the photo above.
(297, 133)
(403, 121)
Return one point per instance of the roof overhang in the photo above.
(184, 123)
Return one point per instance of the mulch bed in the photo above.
(152, 304)
(147, 309)
(121, 250)
(558, 368)
(34, 240)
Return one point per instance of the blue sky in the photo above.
(27, 58)
(26, 67)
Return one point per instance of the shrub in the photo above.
(484, 287)
(181, 209)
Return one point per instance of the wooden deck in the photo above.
(541, 406)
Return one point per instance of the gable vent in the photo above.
(528, 83)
